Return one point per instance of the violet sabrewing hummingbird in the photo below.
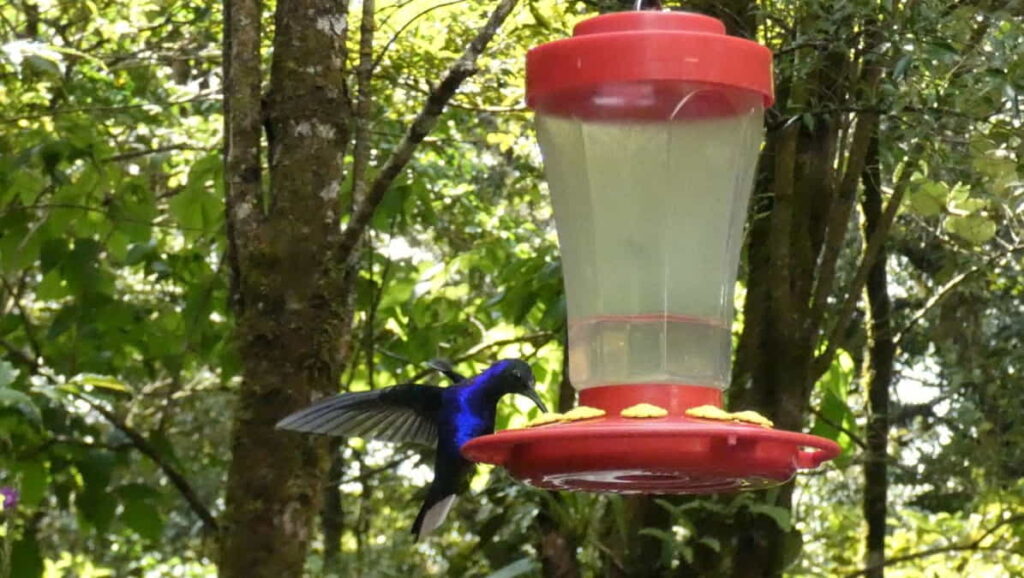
(444, 417)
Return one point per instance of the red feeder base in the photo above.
(675, 454)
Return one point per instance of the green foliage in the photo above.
(114, 293)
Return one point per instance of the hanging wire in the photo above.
(647, 5)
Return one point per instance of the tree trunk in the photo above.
(288, 291)
(291, 262)
(332, 518)
(881, 366)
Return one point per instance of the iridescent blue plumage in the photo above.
(444, 417)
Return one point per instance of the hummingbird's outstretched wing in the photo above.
(401, 413)
(446, 369)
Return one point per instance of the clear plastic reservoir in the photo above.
(650, 186)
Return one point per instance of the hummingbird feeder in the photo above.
(650, 124)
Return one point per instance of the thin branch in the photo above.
(143, 153)
(146, 448)
(26, 323)
(367, 473)
(107, 213)
(19, 356)
(839, 212)
(472, 107)
(138, 441)
(966, 546)
(874, 246)
(532, 338)
(462, 69)
(856, 439)
(93, 110)
(949, 287)
(408, 23)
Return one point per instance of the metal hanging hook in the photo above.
(647, 5)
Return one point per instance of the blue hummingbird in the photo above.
(443, 417)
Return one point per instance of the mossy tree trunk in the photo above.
(288, 286)
(290, 258)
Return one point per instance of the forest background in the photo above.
(210, 213)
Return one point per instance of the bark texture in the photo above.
(292, 264)
(288, 290)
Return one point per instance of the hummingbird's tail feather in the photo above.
(432, 514)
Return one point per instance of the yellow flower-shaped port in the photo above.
(717, 413)
(582, 412)
(709, 412)
(545, 419)
(642, 410)
(752, 417)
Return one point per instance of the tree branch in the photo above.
(408, 23)
(460, 70)
(106, 212)
(839, 216)
(142, 153)
(874, 245)
(532, 338)
(138, 441)
(856, 439)
(176, 478)
(948, 288)
(16, 354)
(364, 98)
(972, 545)
(93, 110)
(243, 125)
(26, 324)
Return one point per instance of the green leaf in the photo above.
(26, 559)
(792, 546)
(7, 373)
(102, 382)
(780, 515)
(143, 517)
(397, 293)
(975, 229)
(52, 286)
(97, 508)
(33, 482)
(663, 535)
(929, 199)
(21, 401)
(900, 70)
(96, 468)
(711, 542)
(43, 65)
(517, 568)
(392, 203)
(139, 252)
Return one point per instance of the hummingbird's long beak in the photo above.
(530, 393)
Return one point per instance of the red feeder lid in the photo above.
(672, 454)
(646, 46)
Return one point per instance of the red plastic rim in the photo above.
(647, 50)
(672, 454)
